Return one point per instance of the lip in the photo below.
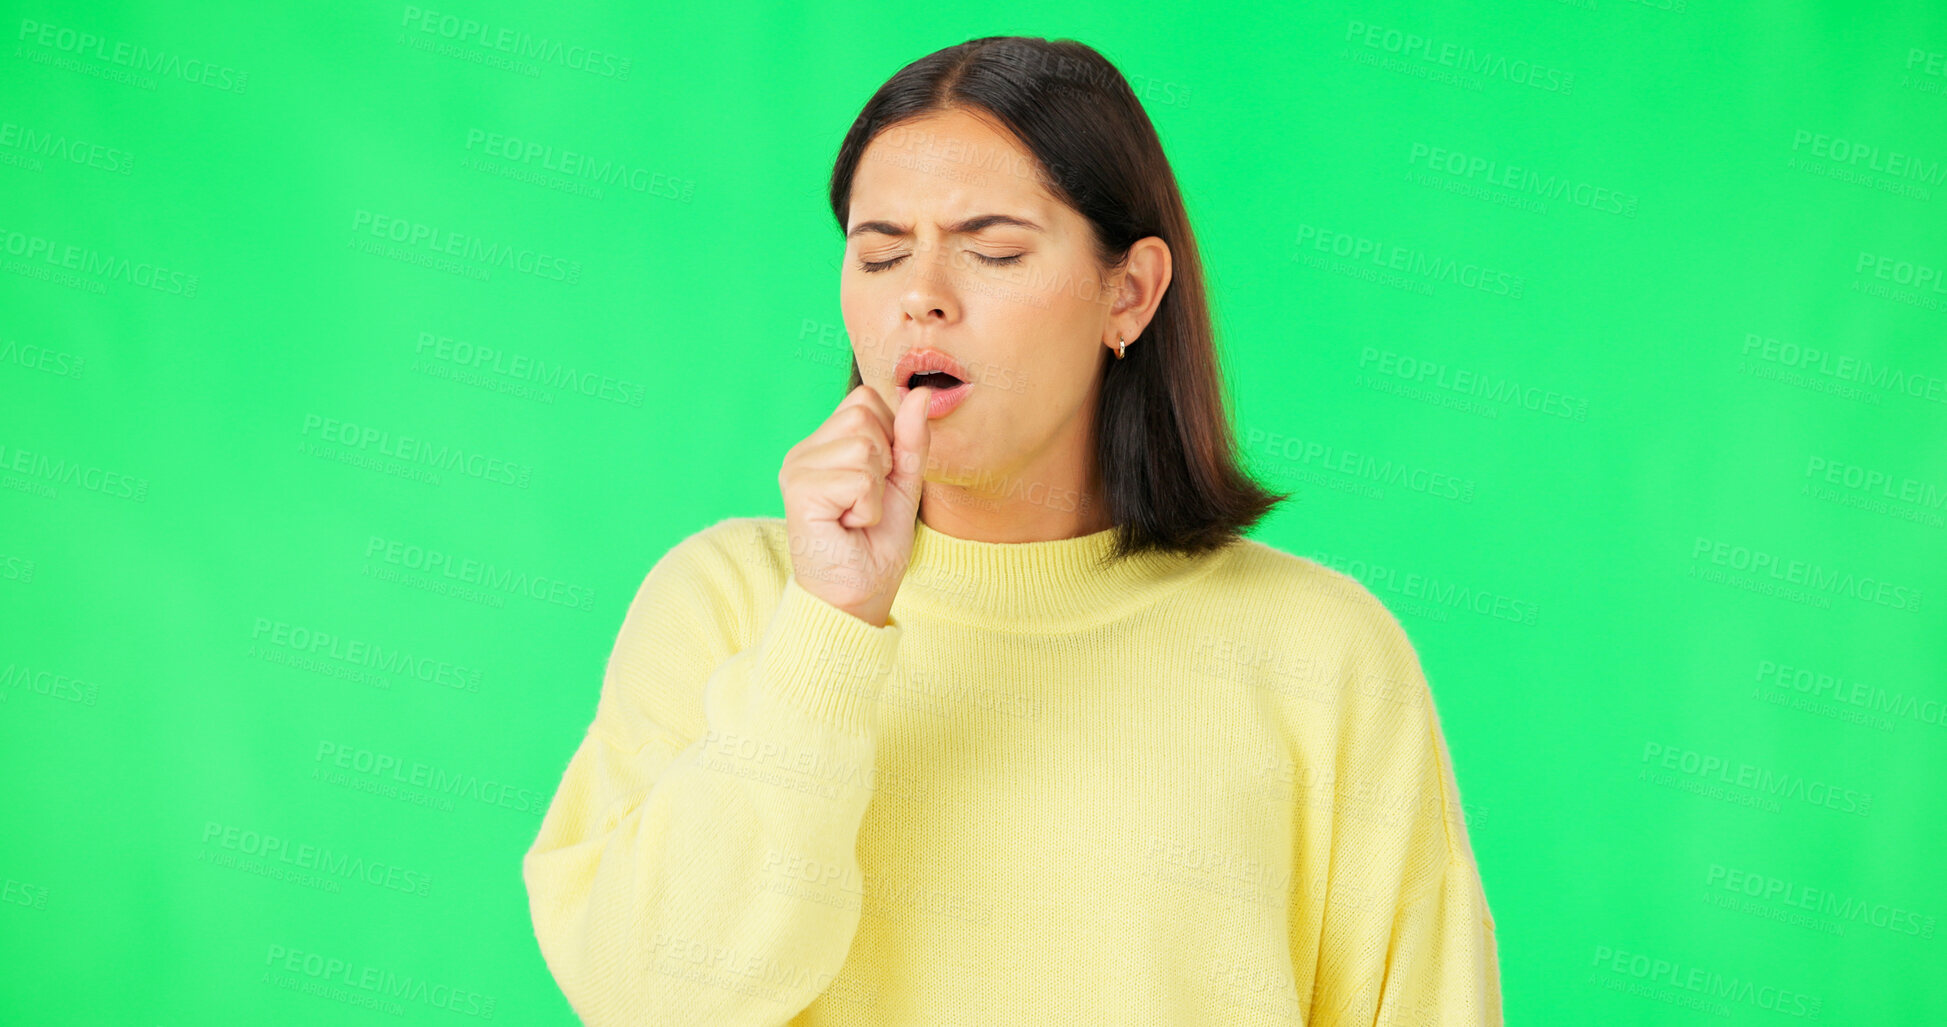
(922, 360)
(941, 402)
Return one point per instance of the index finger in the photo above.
(867, 397)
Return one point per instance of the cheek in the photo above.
(861, 331)
(1031, 392)
(858, 299)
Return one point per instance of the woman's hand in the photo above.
(851, 499)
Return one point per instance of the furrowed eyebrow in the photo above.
(967, 227)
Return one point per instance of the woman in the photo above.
(1005, 722)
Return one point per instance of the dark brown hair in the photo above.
(1163, 439)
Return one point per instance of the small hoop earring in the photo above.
(1118, 347)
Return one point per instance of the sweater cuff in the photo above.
(825, 661)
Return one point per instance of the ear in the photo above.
(1139, 288)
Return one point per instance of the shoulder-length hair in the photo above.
(1164, 445)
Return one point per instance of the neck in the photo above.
(1023, 506)
(961, 514)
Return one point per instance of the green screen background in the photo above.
(1605, 341)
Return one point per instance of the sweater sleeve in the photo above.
(1407, 938)
(666, 883)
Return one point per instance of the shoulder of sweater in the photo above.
(741, 542)
(1303, 584)
(1359, 635)
(704, 595)
(1332, 616)
(736, 558)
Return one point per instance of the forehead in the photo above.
(948, 164)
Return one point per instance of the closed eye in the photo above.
(881, 265)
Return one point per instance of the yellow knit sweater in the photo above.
(1175, 790)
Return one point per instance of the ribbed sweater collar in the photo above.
(1052, 585)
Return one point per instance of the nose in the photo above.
(928, 293)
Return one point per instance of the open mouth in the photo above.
(935, 379)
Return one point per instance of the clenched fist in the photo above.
(851, 500)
